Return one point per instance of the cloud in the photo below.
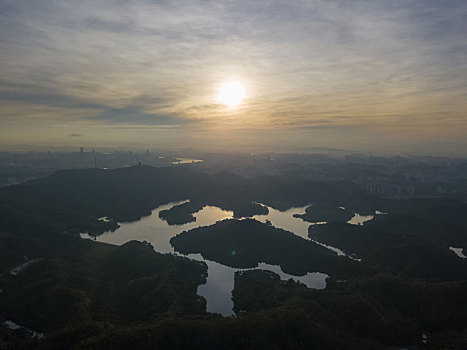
(305, 64)
(137, 115)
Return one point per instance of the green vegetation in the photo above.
(382, 310)
(88, 295)
(85, 282)
(182, 213)
(326, 212)
(245, 243)
(406, 244)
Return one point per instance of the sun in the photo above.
(231, 94)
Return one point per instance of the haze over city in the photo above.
(374, 76)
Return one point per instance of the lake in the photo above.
(220, 282)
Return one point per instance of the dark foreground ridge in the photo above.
(82, 294)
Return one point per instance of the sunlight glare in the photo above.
(231, 94)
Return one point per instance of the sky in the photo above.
(369, 75)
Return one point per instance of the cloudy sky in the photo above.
(367, 75)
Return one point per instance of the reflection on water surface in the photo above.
(218, 289)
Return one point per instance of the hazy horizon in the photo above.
(369, 76)
(181, 151)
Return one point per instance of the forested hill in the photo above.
(88, 295)
(72, 200)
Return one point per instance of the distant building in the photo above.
(81, 149)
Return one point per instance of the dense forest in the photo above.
(408, 290)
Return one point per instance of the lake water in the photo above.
(14, 326)
(358, 219)
(179, 161)
(157, 231)
(459, 252)
(286, 220)
(220, 281)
